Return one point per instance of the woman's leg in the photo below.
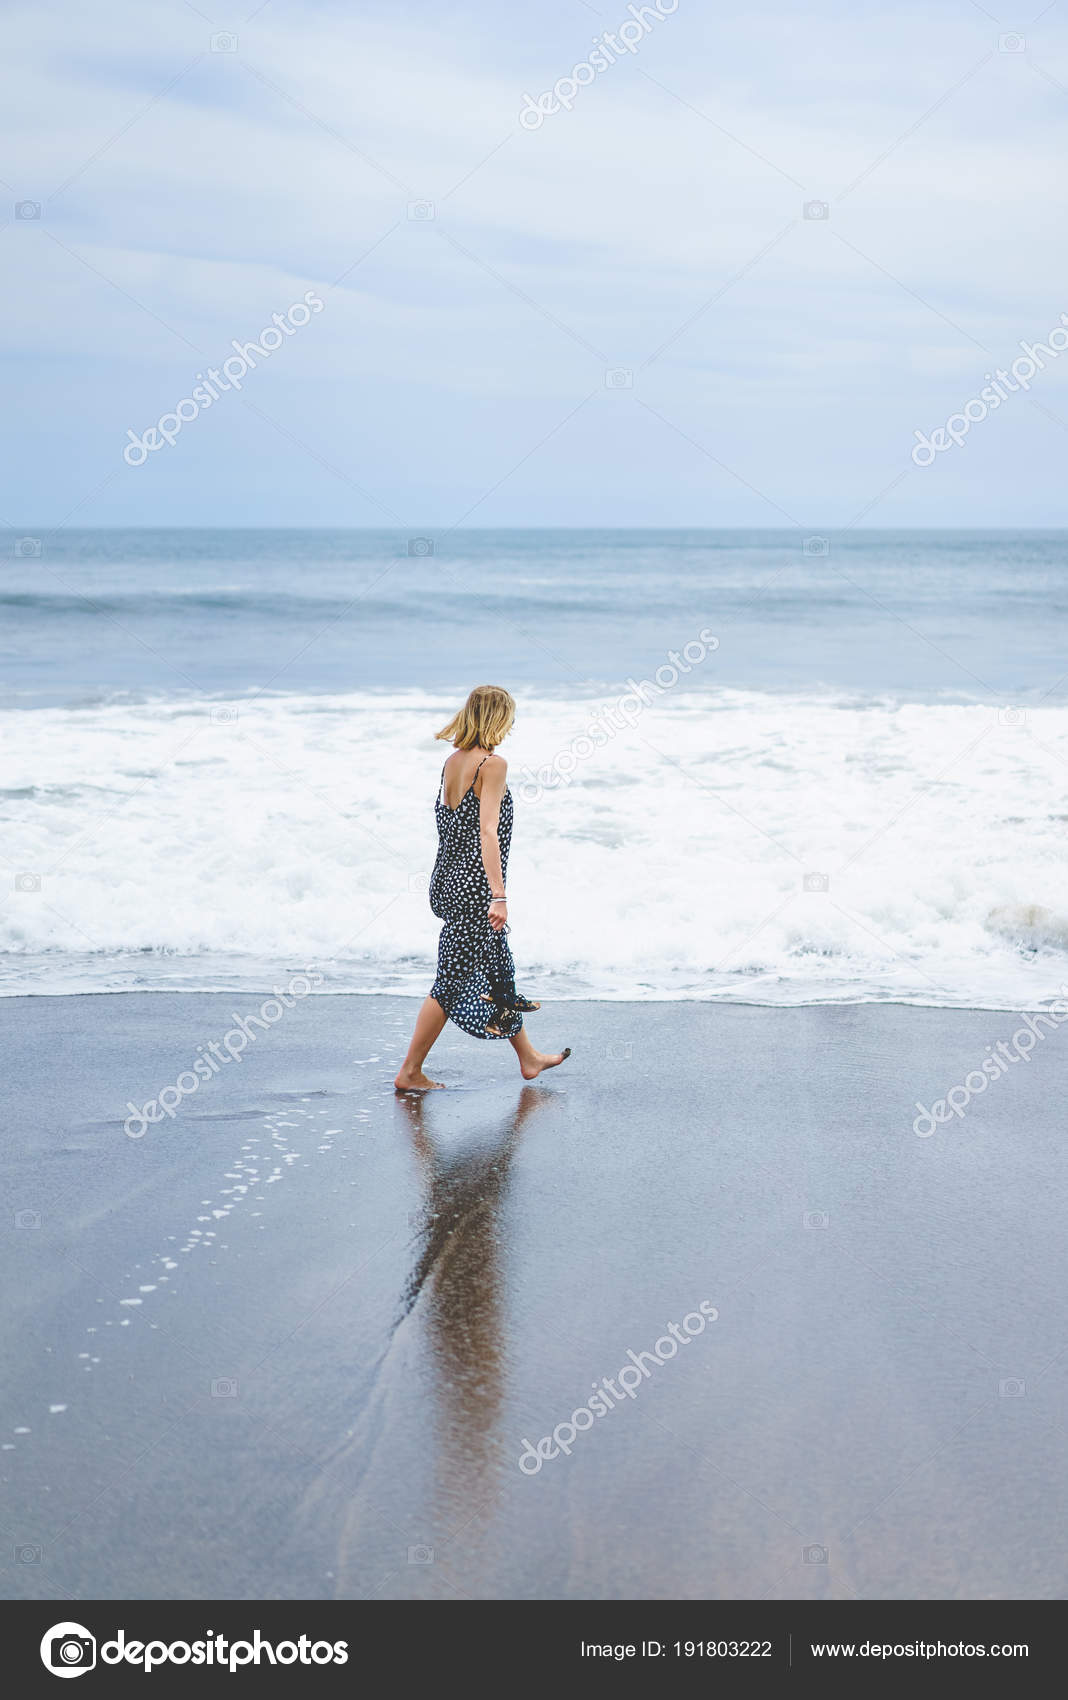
(429, 1023)
(532, 1062)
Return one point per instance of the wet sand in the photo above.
(291, 1344)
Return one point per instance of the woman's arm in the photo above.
(494, 774)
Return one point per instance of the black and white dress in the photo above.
(473, 959)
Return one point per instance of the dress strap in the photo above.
(441, 786)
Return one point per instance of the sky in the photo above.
(725, 284)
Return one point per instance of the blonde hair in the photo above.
(485, 719)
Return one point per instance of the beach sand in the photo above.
(320, 1383)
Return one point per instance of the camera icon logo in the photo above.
(28, 1555)
(27, 1218)
(224, 42)
(420, 1555)
(68, 1649)
(1011, 1388)
(814, 1555)
(224, 1388)
(816, 1219)
(815, 546)
(1012, 716)
(221, 716)
(27, 209)
(28, 547)
(420, 545)
(27, 882)
(619, 378)
(816, 882)
(1012, 43)
(418, 884)
(421, 212)
(818, 210)
(622, 1051)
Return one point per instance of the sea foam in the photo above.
(723, 844)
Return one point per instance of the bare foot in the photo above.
(414, 1080)
(539, 1062)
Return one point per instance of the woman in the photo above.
(475, 985)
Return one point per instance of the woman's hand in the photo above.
(498, 914)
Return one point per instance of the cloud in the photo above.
(657, 227)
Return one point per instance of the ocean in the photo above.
(748, 766)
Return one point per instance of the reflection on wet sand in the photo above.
(446, 1359)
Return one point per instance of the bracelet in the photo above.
(498, 900)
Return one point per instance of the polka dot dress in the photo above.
(472, 959)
